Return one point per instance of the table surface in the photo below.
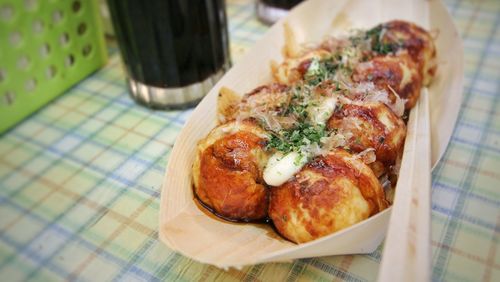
(80, 180)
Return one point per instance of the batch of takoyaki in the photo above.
(318, 149)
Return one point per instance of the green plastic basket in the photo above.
(46, 46)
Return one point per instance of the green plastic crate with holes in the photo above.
(46, 46)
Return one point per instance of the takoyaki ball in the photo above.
(266, 104)
(330, 193)
(227, 171)
(417, 41)
(293, 70)
(394, 74)
(367, 91)
(269, 97)
(370, 125)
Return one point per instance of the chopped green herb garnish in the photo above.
(384, 48)
(322, 70)
(295, 138)
(374, 37)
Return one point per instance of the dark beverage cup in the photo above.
(270, 11)
(174, 51)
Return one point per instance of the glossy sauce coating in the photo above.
(228, 175)
(417, 41)
(372, 125)
(330, 193)
(393, 74)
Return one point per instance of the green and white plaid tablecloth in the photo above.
(80, 180)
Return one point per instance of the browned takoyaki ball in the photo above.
(397, 74)
(417, 41)
(370, 125)
(227, 172)
(266, 100)
(293, 69)
(267, 105)
(330, 193)
(269, 97)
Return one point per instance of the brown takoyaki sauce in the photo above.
(265, 223)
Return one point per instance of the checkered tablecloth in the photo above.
(80, 180)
